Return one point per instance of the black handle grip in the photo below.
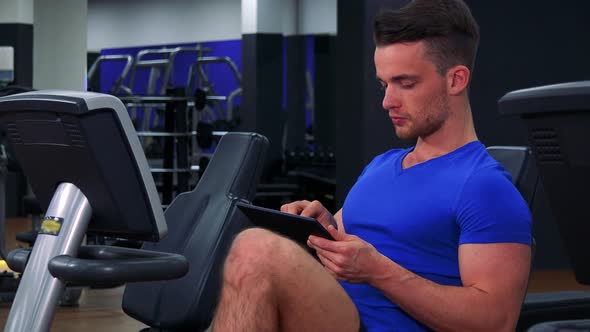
(103, 264)
(17, 259)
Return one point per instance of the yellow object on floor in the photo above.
(4, 266)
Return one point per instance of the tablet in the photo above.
(294, 227)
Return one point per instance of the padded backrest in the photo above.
(518, 161)
(201, 226)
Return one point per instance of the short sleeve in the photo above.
(491, 210)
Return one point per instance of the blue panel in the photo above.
(219, 74)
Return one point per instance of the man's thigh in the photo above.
(309, 297)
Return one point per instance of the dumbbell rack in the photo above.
(177, 156)
(180, 140)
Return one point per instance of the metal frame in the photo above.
(118, 84)
(37, 296)
(197, 77)
(166, 63)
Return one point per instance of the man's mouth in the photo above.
(398, 120)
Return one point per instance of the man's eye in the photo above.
(408, 85)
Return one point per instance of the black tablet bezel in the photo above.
(292, 226)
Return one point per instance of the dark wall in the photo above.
(262, 77)
(295, 95)
(20, 36)
(524, 44)
(325, 91)
(363, 129)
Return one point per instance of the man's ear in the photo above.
(457, 80)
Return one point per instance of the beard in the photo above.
(427, 120)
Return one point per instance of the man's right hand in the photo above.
(313, 210)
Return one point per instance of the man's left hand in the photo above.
(348, 258)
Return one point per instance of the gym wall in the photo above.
(317, 17)
(129, 23)
(524, 44)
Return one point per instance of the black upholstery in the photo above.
(518, 161)
(552, 306)
(201, 226)
(539, 307)
(582, 325)
(557, 118)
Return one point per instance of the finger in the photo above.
(294, 207)
(332, 256)
(314, 210)
(324, 260)
(291, 208)
(323, 257)
(336, 234)
(331, 267)
(325, 244)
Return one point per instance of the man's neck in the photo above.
(455, 133)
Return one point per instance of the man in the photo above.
(432, 237)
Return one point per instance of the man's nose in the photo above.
(391, 99)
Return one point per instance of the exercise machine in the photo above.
(117, 86)
(85, 165)
(558, 118)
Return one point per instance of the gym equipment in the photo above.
(558, 118)
(98, 183)
(161, 67)
(518, 161)
(160, 63)
(199, 82)
(208, 101)
(8, 280)
(205, 221)
(106, 177)
(118, 83)
(177, 162)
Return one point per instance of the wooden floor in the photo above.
(100, 310)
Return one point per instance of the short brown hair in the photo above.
(447, 26)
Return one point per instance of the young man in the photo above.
(432, 237)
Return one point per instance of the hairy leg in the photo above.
(270, 283)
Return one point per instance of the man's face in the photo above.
(415, 93)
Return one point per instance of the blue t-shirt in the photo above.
(419, 216)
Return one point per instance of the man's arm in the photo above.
(494, 280)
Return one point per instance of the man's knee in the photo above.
(252, 254)
(253, 245)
